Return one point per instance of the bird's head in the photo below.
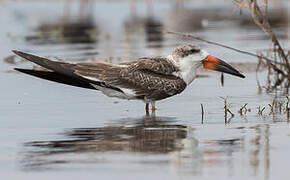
(190, 57)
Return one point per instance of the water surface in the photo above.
(50, 130)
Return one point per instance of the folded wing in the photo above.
(149, 78)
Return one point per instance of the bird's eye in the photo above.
(194, 51)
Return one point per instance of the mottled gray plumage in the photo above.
(185, 50)
(150, 79)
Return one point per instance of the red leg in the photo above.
(147, 108)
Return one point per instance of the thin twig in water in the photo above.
(271, 109)
(257, 70)
(226, 109)
(202, 113)
(232, 114)
(260, 111)
(280, 104)
(274, 103)
(287, 108)
(243, 108)
(222, 79)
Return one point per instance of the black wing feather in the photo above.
(61, 68)
(57, 77)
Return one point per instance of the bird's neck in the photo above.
(187, 69)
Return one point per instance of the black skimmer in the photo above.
(148, 79)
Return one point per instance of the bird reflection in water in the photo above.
(156, 141)
(148, 134)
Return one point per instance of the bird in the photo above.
(149, 79)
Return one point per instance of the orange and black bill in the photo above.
(213, 63)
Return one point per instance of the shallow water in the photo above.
(50, 130)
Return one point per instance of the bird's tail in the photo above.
(59, 67)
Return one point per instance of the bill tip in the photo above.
(242, 76)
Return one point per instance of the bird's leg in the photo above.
(147, 108)
(153, 108)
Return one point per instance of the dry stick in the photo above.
(274, 103)
(261, 20)
(287, 108)
(247, 109)
(222, 79)
(280, 104)
(202, 113)
(232, 114)
(271, 108)
(241, 109)
(190, 36)
(288, 55)
(257, 70)
(260, 111)
(226, 109)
